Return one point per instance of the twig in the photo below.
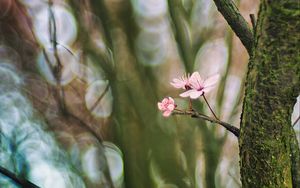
(253, 21)
(99, 98)
(210, 107)
(295, 122)
(19, 181)
(237, 22)
(57, 69)
(190, 104)
(85, 126)
(195, 114)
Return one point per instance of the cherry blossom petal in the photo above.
(160, 106)
(211, 81)
(195, 94)
(167, 113)
(207, 89)
(177, 83)
(186, 94)
(196, 81)
(166, 106)
(195, 77)
(165, 101)
(171, 100)
(171, 107)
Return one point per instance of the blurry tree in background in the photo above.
(80, 81)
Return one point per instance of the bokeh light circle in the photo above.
(99, 98)
(150, 8)
(115, 163)
(46, 61)
(66, 28)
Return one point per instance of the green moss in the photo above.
(271, 89)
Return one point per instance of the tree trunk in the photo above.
(269, 150)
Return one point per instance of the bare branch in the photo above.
(295, 122)
(19, 181)
(57, 71)
(237, 22)
(195, 114)
(99, 98)
(253, 21)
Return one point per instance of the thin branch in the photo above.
(19, 181)
(57, 69)
(237, 22)
(65, 47)
(190, 104)
(99, 98)
(195, 114)
(295, 122)
(85, 126)
(253, 21)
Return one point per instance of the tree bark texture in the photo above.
(237, 22)
(269, 151)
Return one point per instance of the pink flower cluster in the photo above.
(167, 105)
(194, 87)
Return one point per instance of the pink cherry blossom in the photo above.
(167, 105)
(182, 82)
(200, 86)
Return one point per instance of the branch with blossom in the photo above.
(234, 130)
(195, 87)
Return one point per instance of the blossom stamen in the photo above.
(197, 87)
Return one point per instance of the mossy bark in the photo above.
(269, 150)
(236, 21)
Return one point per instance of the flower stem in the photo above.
(210, 107)
(190, 104)
(178, 110)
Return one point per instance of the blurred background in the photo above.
(79, 86)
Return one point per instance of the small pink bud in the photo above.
(167, 105)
